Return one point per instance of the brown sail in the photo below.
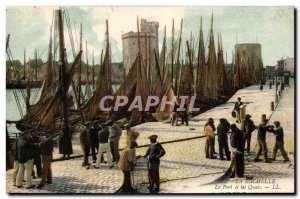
(212, 82)
(92, 108)
(221, 67)
(201, 71)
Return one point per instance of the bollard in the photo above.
(263, 116)
(272, 106)
(276, 98)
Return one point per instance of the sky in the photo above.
(272, 27)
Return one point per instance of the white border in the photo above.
(5, 3)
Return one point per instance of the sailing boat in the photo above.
(91, 109)
(43, 113)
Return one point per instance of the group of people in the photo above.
(175, 114)
(240, 140)
(30, 151)
(97, 139)
(100, 139)
(128, 161)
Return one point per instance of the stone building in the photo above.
(148, 42)
(270, 71)
(286, 65)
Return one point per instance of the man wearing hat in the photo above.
(237, 108)
(237, 144)
(209, 129)
(94, 140)
(25, 158)
(279, 144)
(249, 127)
(104, 146)
(46, 148)
(154, 153)
(222, 130)
(115, 133)
(261, 140)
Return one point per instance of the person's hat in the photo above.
(277, 123)
(248, 116)
(126, 126)
(153, 137)
(211, 120)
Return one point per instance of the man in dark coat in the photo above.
(154, 153)
(94, 138)
(37, 161)
(237, 108)
(261, 140)
(115, 133)
(185, 116)
(249, 127)
(237, 144)
(65, 142)
(46, 148)
(25, 159)
(104, 146)
(270, 85)
(279, 144)
(261, 87)
(222, 130)
(85, 143)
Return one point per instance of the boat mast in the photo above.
(177, 60)
(28, 83)
(80, 65)
(172, 53)
(62, 70)
(24, 66)
(36, 65)
(93, 71)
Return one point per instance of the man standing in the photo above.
(154, 153)
(209, 129)
(16, 163)
(115, 133)
(94, 139)
(174, 115)
(270, 85)
(85, 145)
(279, 144)
(104, 146)
(126, 164)
(25, 158)
(249, 127)
(184, 115)
(237, 144)
(237, 106)
(46, 148)
(65, 143)
(261, 140)
(36, 158)
(222, 130)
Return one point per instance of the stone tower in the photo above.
(148, 42)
